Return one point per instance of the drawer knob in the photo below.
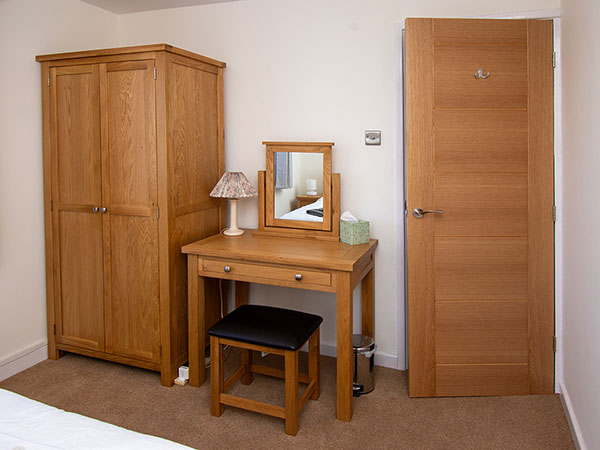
(298, 276)
(227, 269)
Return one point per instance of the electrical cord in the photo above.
(226, 348)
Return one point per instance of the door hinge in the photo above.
(554, 213)
(155, 72)
(48, 80)
(554, 344)
(554, 60)
(54, 327)
(157, 213)
(160, 350)
(51, 206)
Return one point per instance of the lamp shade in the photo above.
(311, 186)
(233, 185)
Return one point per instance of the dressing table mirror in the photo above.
(298, 194)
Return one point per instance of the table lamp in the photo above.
(233, 186)
(311, 186)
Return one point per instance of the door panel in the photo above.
(480, 275)
(481, 204)
(483, 141)
(194, 136)
(471, 332)
(455, 87)
(134, 320)
(76, 127)
(81, 309)
(130, 223)
(481, 32)
(482, 379)
(76, 190)
(480, 268)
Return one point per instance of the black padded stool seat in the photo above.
(268, 326)
(267, 329)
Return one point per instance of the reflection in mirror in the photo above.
(298, 183)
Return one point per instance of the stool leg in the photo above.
(314, 370)
(216, 376)
(291, 392)
(247, 362)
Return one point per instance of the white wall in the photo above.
(29, 28)
(581, 213)
(313, 70)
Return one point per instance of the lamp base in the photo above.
(232, 232)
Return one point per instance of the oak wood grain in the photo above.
(481, 204)
(344, 347)
(127, 52)
(480, 141)
(75, 176)
(455, 84)
(489, 257)
(291, 392)
(344, 261)
(480, 32)
(419, 194)
(481, 379)
(481, 268)
(49, 243)
(541, 201)
(478, 332)
(124, 95)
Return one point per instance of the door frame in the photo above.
(399, 137)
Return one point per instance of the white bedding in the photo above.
(301, 214)
(29, 425)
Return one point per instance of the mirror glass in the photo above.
(298, 186)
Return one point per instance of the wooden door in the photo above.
(76, 197)
(130, 222)
(480, 148)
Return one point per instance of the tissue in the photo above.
(347, 216)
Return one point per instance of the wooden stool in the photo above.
(266, 329)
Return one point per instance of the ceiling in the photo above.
(130, 6)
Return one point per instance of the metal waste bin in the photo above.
(364, 364)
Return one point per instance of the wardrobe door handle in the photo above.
(102, 210)
(95, 209)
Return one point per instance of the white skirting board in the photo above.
(381, 359)
(37, 353)
(572, 419)
(23, 359)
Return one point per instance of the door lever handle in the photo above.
(418, 212)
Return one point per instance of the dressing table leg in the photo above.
(196, 323)
(344, 347)
(241, 293)
(368, 312)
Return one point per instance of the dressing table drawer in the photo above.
(264, 273)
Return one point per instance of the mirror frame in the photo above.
(268, 224)
(270, 219)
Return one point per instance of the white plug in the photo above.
(184, 372)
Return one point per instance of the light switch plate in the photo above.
(373, 137)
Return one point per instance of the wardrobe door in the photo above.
(130, 220)
(76, 198)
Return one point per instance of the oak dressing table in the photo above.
(310, 259)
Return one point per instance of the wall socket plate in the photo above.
(372, 137)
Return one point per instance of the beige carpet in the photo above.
(384, 419)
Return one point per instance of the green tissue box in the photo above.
(354, 233)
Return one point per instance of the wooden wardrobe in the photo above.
(133, 144)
